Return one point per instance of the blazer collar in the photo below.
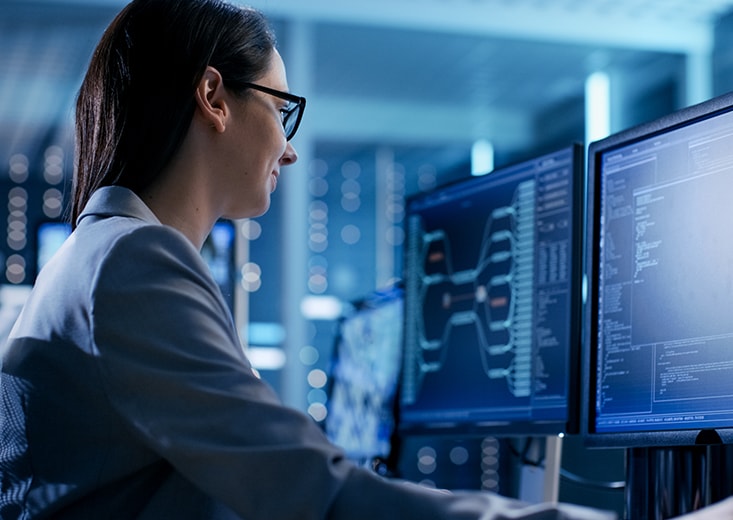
(113, 201)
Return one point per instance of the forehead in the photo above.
(275, 76)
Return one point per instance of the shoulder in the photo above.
(137, 254)
(140, 245)
(117, 228)
(150, 275)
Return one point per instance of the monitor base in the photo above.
(664, 482)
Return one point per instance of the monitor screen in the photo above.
(219, 253)
(492, 301)
(363, 377)
(49, 237)
(659, 342)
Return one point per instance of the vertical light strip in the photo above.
(597, 107)
(482, 157)
(385, 252)
(698, 77)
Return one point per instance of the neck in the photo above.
(183, 195)
(177, 205)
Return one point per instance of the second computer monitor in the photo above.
(659, 342)
(492, 302)
(364, 371)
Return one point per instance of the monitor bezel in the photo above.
(526, 427)
(596, 150)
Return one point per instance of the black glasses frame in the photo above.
(291, 115)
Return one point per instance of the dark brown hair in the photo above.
(137, 99)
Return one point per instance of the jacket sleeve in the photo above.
(173, 368)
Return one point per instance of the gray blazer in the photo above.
(125, 393)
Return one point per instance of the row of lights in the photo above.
(350, 234)
(18, 204)
(395, 206)
(318, 242)
(427, 462)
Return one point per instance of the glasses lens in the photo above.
(290, 119)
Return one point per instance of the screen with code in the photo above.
(661, 352)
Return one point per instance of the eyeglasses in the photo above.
(291, 114)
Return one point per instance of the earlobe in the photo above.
(211, 101)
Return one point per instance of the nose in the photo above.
(289, 156)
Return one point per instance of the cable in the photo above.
(523, 458)
(599, 484)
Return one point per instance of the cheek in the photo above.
(261, 144)
(270, 137)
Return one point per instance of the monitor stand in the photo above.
(553, 462)
(664, 482)
(542, 484)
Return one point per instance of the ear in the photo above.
(212, 100)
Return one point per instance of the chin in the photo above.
(251, 212)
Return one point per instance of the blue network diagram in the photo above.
(489, 288)
(494, 297)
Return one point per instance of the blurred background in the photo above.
(403, 95)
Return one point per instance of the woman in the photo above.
(125, 393)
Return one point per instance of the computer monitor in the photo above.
(658, 347)
(219, 252)
(492, 302)
(49, 237)
(364, 371)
